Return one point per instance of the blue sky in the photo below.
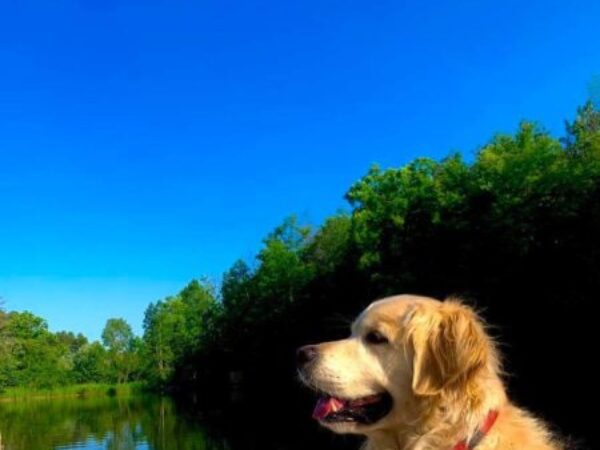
(144, 143)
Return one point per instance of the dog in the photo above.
(418, 374)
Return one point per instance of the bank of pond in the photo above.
(15, 394)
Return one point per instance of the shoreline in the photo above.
(76, 390)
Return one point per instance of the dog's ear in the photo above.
(450, 346)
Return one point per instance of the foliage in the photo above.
(32, 357)
(172, 329)
(121, 344)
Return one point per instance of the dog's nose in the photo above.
(306, 354)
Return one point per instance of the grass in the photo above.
(76, 390)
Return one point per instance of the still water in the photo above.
(161, 423)
(143, 423)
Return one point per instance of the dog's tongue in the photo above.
(326, 406)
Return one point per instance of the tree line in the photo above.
(33, 357)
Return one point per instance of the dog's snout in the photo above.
(306, 354)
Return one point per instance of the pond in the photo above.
(148, 423)
(139, 423)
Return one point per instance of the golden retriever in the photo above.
(418, 374)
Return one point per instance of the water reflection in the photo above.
(155, 423)
(146, 423)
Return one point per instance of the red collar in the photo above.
(488, 423)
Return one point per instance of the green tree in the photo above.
(91, 364)
(26, 325)
(173, 328)
(119, 339)
(235, 287)
(329, 248)
(72, 341)
(583, 133)
(281, 271)
(33, 355)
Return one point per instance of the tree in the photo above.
(6, 359)
(26, 325)
(117, 335)
(235, 289)
(32, 356)
(163, 323)
(196, 297)
(173, 328)
(281, 270)
(91, 364)
(583, 133)
(118, 338)
(329, 247)
(74, 342)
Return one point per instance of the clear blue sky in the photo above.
(143, 143)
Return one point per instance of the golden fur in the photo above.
(441, 369)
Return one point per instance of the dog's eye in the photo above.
(375, 338)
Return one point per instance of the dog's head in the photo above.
(403, 352)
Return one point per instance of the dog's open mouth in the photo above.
(364, 410)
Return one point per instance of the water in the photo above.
(142, 423)
(161, 423)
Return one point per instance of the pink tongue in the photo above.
(326, 406)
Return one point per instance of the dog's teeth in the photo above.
(336, 404)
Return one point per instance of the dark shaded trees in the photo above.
(516, 229)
